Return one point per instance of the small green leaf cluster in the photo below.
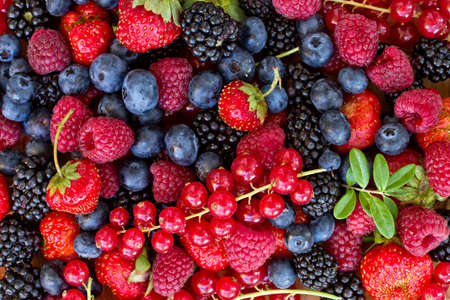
(376, 203)
(231, 7)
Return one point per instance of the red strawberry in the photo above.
(441, 131)
(4, 197)
(280, 246)
(242, 106)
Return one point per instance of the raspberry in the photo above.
(265, 142)
(48, 52)
(211, 257)
(391, 72)
(168, 180)
(248, 249)
(173, 75)
(171, 270)
(10, 132)
(437, 167)
(103, 139)
(419, 109)
(359, 223)
(335, 64)
(407, 157)
(421, 229)
(68, 138)
(297, 9)
(345, 247)
(109, 178)
(356, 38)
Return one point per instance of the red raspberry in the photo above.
(91, 94)
(345, 247)
(211, 257)
(103, 139)
(419, 109)
(248, 249)
(437, 167)
(391, 72)
(409, 156)
(109, 178)
(10, 132)
(169, 180)
(173, 75)
(171, 270)
(68, 138)
(335, 64)
(356, 38)
(421, 229)
(48, 52)
(265, 142)
(359, 223)
(297, 9)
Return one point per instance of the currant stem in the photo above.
(88, 289)
(287, 53)
(310, 172)
(276, 81)
(363, 190)
(287, 292)
(55, 143)
(362, 5)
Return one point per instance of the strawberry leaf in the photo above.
(256, 102)
(61, 183)
(169, 10)
(231, 7)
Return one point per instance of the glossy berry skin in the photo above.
(76, 272)
(333, 15)
(444, 5)
(431, 23)
(271, 205)
(442, 273)
(183, 295)
(246, 168)
(289, 157)
(404, 35)
(107, 238)
(283, 180)
(119, 217)
(220, 179)
(253, 278)
(433, 291)
(194, 195)
(227, 288)
(402, 11)
(171, 219)
(199, 234)
(131, 244)
(222, 227)
(203, 283)
(162, 241)
(222, 204)
(248, 212)
(144, 214)
(302, 193)
(73, 294)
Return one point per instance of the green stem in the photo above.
(287, 292)
(275, 82)
(310, 172)
(363, 190)
(88, 289)
(287, 53)
(55, 143)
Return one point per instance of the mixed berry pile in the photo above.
(232, 149)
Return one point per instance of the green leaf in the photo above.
(378, 239)
(349, 178)
(380, 172)
(391, 205)
(142, 265)
(382, 217)
(345, 206)
(231, 7)
(360, 167)
(61, 183)
(401, 177)
(364, 199)
(400, 193)
(138, 2)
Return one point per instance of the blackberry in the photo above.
(432, 59)
(327, 191)
(281, 35)
(24, 16)
(21, 282)
(171, 50)
(29, 187)
(348, 287)
(417, 84)
(209, 32)
(216, 136)
(18, 243)
(128, 199)
(303, 133)
(442, 252)
(262, 9)
(298, 82)
(47, 91)
(317, 269)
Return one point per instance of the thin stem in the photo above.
(363, 190)
(55, 144)
(287, 53)
(88, 289)
(288, 292)
(276, 81)
(367, 6)
(310, 172)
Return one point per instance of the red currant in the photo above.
(76, 272)
(171, 219)
(384, 29)
(284, 297)
(194, 195)
(246, 168)
(442, 273)
(220, 179)
(402, 11)
(303, 192)
(291, 158)
(107, 238)
(283, 180)
(144, 215)
(227, 288)
(133, 238)
(265, 180)
(253, 278)
(199, 233)
(119, 217)
(183, 295)
(203, 283)
(248, 212)
(222, 227)
(444, 5)
(431, 23)
(162, 241)
(222, 204)
(404, 35)
(271, 205)
(73, 294)
(332, 17)
(433, 291)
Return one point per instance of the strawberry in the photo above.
(242, 106)
(440, 132)
(211, 257)
(280, 246)
(4, 197)
(391, 272)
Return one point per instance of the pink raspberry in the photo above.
(10, 132)
(356, 38)
(173, 75)
(110, 179)
(419, 109)
(103, 139)
(391, 72)
(437, 167)
(359, 223)
(168, 180)
(48, 52)
(297, 9)
(345, 247)
(421, 229)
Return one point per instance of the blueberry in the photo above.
(74, 80)
(281, 273)
(329, 160)
(182, 145)
(96, 219)
(298, 238)
(311, 25)
(152, 116)
(253, 35)
(15, 112)
(140, 91)
(107, 72)
(134, 175)
(390, 119)
(286, 218)
(51, 278)
(148, 142)
(240, 65)
(4, 75)
(9, 47)
(58, 8)
(353, 80)
(84, 245)
(316, 49)
(392, 138)
(121, 51)
(204, 89)
(39, 148)
(322, 228)
(112, 106)
(9, 158)
(19, 65)
(20, 88)
(265, 69)
(107, 4)
(205, 163)
(325, 95)
(81, 1)
(38, 124)
(277, 100)
(335, 127)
